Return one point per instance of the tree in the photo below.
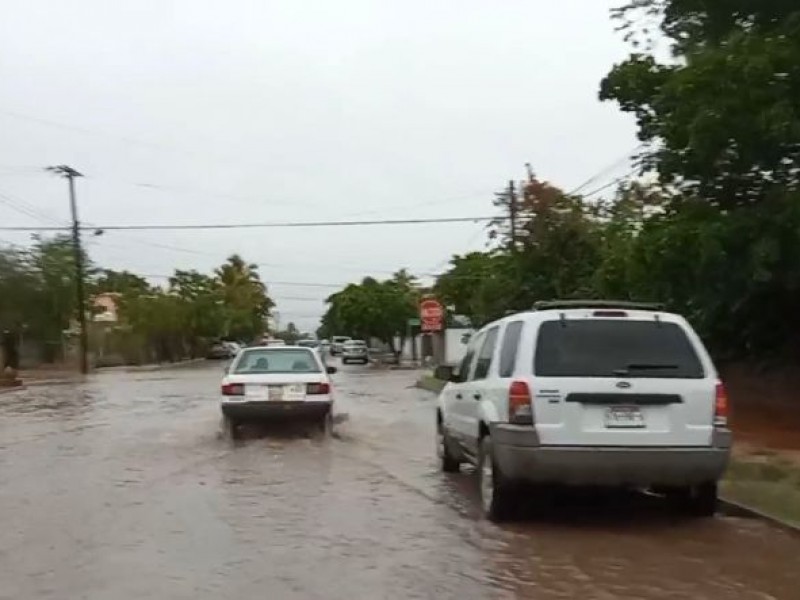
(372, 308)
(478, 285)
(203, 305)
(723, 121)
(52, 261)
(120, 282)
(290, 335)
(555, 250)
(245, 298)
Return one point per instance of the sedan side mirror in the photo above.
(331, 370)
(444, 373)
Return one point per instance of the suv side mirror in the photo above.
(331, 370)
(445, 373)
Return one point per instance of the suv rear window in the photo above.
(615, 348)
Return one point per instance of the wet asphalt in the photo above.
(122, 487)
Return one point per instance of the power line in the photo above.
(605, 170)
(449, 200)
(277, 224)
(609, 184)
(192, 191)
(26, 208)
(314, 284)
(122, 138)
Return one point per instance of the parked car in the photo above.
(234, 347)
(308, 343)
(221, 350)
(355, 351)
(337, 342)
(272, 382)
(587, 393)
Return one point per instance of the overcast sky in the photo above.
(197, 111)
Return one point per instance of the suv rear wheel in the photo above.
(496, 491)
(696, 500)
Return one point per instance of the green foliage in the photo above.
(38, 297)
(290, 335)
(723, 122)
(197, 308)
(373, 308)
(37, 287)
(734, 274)
(121, 282)
(245, 297)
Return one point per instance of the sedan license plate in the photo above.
(294, 393)
(619, 417)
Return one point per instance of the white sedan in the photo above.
(269, 383)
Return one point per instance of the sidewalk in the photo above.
(66, 374)
(764, 473)
(150, 367)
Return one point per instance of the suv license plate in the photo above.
(624, 417)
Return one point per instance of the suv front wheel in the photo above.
(496, 491)
(448, 462)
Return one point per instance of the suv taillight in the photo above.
(233, 389)
(721, 405)
(318, 388)
(520, 409)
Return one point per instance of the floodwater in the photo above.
(122, 488)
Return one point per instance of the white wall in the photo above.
(455, 345)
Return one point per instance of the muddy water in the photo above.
(120, 488)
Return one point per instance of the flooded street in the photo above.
(122, 488)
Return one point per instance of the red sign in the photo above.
(431, 315)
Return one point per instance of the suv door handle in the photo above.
(459, 396)
(476, 396)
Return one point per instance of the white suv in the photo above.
(587, 393)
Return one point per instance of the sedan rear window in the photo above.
(615, 348)
(283, 360)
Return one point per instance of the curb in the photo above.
(737, 509)
(429, 385)
(149, 368)
(164, 366)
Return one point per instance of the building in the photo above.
(105, 307)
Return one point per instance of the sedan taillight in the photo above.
(318, 388)
(232, 389)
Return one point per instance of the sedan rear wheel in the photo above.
(326, 425)
(231, 428)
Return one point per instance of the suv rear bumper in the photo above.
(520, 456)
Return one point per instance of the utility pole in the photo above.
(70, 174)
(529, 170)
(512, 213)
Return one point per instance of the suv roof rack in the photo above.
(556, 304)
